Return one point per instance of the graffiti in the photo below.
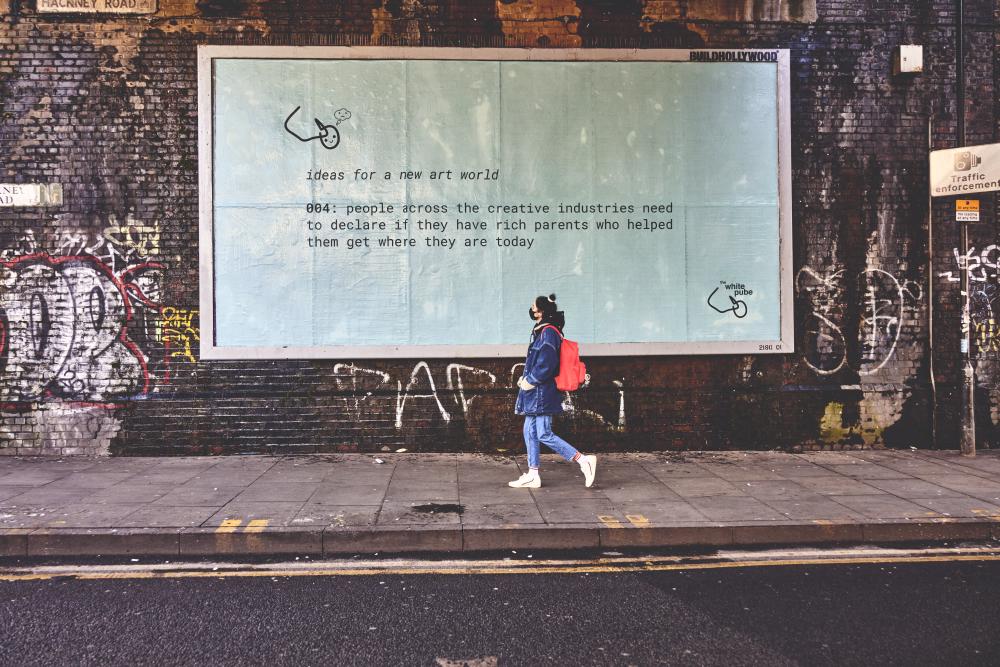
(463, 383)
(63, 327)
(982, 317)
(979, 265)
(883, 311)
(118, 245)
(454, 375)
(402, 395)
(988, 336)
(178, 333)
(833, 430)
(570, 407)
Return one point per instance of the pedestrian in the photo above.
(538, 398)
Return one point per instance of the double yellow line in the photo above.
(598, 566)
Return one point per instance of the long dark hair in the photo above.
(551, 314)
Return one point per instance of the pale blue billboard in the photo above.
(412, 205)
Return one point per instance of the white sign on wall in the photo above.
(30, 194)
(960, 171)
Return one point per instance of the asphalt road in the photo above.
(910, 614)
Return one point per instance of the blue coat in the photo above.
(540, 369)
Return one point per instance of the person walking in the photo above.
(538, 399)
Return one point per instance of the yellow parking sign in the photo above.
(967, 210)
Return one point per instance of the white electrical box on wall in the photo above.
(908, 59)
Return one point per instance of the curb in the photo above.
(333, 541)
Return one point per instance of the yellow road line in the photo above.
(638, 520)
(229, 526)
(256, 526)
(610, 521)
(484, 570)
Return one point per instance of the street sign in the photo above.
(959, 171)
(96, 6)
(967, 210)
(30, 194)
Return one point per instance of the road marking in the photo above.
(610, 521)
(229, 525)
(489, 661)
(599, 566)
(638, 520)
(256, 526)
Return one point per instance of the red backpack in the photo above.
(572, 371)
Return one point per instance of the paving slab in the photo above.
(347, 503)
(12, 491)
(338, 516)
(734, 508)
(168, 517)
(912, 488)
(962, 506)
(277, 491)
(127, 492)
(836, 485)
(93, 516)
(884, 507)
(198, 496)
(784, 489)
(418, 513)
(820, 508)
(501, 515)
(348, 493)
(659, 512)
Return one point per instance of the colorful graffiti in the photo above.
(983, 269)
(64, 328)
(179, 333)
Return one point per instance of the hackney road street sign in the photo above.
(962, 171)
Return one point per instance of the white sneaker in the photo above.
(588, 464)
(527, 481)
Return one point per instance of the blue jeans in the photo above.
(538, 429)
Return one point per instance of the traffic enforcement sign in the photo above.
(966, 170)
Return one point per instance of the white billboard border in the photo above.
(206, 121)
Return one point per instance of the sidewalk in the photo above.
(349, 504)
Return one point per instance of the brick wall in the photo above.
(99, 297)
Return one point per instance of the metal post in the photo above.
(968, 390)
(930, 289)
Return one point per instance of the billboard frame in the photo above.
(207, 54)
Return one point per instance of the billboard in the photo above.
(411, 202)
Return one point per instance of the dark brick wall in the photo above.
(106, 105)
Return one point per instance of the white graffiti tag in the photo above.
(880, 318)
